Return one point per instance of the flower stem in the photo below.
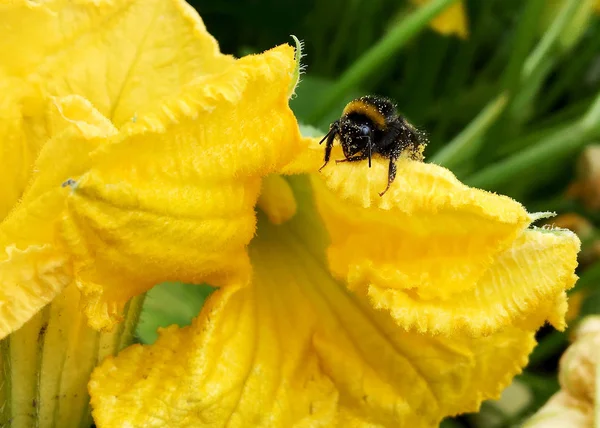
(47, 362)
(369, 63)
(574, 69)
(466, 143)
(550, 38)
(591, 119)
(524, 39)
(552, 148)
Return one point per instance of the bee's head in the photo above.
(354, 135)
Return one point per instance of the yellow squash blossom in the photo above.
(140, 155)
(452, 21)
(576, 404)
(133, 99)
(329, 331)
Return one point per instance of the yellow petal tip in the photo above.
(276, 199)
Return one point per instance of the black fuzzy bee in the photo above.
(371, 125)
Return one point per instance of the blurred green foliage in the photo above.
(442, 83)
(508, 109)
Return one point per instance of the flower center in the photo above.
(277, 199)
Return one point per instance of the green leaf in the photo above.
(371, 62)
(466, 144)
(554, 148)
(170, 303)
(310, 92)
(450, 423)
(591, 304)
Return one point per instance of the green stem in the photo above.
(466, 143)
(591, 120)
(344, 27)
(47, 362)
(550, 125)
(553, 148)
(524, 39)
(551, 36)
(574, 68)
(372, 60)
(455, 85)
(568, 113)
(522, 106)
(430, 66)
(529, 139)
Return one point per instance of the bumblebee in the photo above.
(371, 125)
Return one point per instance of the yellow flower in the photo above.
(452, 21)
(146, 153)
(362, 310)
(573, 406)
(132, 152)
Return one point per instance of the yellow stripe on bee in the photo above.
(369, 110)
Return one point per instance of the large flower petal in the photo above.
(440, 256)
(297, 349)
(429, 233)
(524, 287)
(121, 55)
(174, 198)
(34, 266)
(21, 140)
(152, 70)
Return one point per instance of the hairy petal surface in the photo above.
(174, 197)
(122, 55)
(524, 286)
(21, 139)
(296, 348)
(202, 128)
(34, 265)
(429, 233)
(119, 54)
(442, 257)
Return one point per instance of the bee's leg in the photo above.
(330, 137)
(391, 173)
(355, 158)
